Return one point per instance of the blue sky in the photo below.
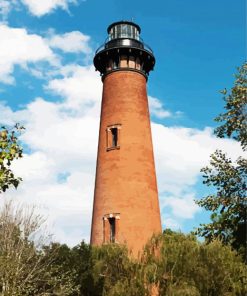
(48, 83)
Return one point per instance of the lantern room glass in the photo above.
(124, 31)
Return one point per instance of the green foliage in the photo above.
(229, 202)
(83, 262)
(235, 118)
(116, 273)
(76, 262)
(10, 150)
(222, 272)
(185, 266)
(173, 263)
(106, 270)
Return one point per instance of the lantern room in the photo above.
(124, 30)
(124, 50)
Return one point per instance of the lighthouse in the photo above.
(126, 206)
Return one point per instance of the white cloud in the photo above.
(42, 7)
(80, 86)
(62, 144)
(17, 47)
(34, 53)
(71, 42)
(5, 7)
(36, 7)
(59, 172)
(156, 108)
(181, 206)
(180, 153)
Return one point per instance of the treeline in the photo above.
(173, 263)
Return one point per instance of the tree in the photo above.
(105, 270)
(183, 266)
(235, 118)
(229, 201)
(228, 204)
(25, 269)
(10, 150)
(116, 273)
(77, 262)
(83, 261)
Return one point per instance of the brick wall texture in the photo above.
(125, 178)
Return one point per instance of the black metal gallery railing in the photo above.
(124, 42)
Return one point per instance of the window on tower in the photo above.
(114, 132)
(112, 223)
(111, 228)
(113, 137)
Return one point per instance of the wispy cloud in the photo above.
(42, 7)
(73, 42)
(158, 110)
(36, 54)
(37, 8)
(5, 7)
(18, 47)
(180, 153)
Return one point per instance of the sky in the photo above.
(48, 83)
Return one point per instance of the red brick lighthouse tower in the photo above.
(126, 206)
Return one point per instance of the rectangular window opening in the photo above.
(114, 132)
(112, 222)
(113, 137)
